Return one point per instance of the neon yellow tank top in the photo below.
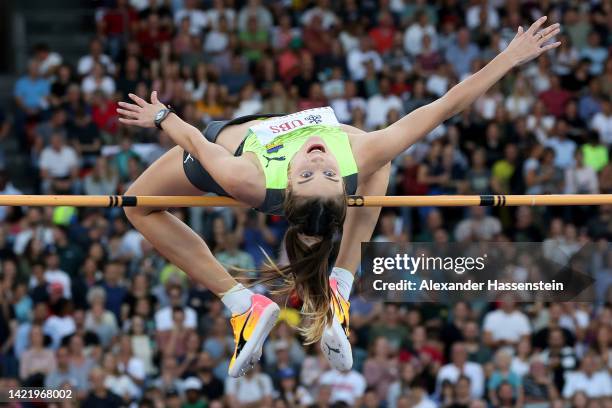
(275, 141)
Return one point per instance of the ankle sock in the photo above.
(237, 299)
(345, 281)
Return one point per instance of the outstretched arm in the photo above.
(234, 174)
(380, 147)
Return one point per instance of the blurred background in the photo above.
(85, 301)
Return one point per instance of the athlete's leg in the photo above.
(253, 315)
(171, 237)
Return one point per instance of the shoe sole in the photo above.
(333, 342)
(247, 357)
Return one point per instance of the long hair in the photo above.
(308, 270)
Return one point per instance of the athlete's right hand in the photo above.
(140, 113)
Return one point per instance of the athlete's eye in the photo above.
(306, 174)
(329, 173)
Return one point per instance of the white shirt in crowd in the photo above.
(357, 59)
(471, 370)
(58, 163)
(379, 107)
(413, 38)
(343, 108)
(57, 328)
(214, 15)
(163, 318)
(437, 84)
(581, 181)
(87, 62)
(90, 85)
(541, 128)
(23, 238)
(249, 389)
(472, 17)
(348, 386)
(506, 326)
(596, 386)
(602, 123)
(61, 279)
(53, 60)
(216, 42)
(197, 20)
(122, 385)
(484, 229)
(328, 18)
(135, 368)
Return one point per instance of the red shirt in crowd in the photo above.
(382, 37)
(150, 41)
(555, 100)
(119, 20)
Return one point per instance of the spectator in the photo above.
(460, 366)
(100, 395)
(48, 60)
(62, 374)
(381, 369)
(98, 319)
(197, 18)
(59, 166)
(602, 123)
(32, 92)
(590, 379)
(506, 325)
(504, 375)
(37, 361)
(348, 387)
(87, 62)
(253, 389)
(538, 384)
(359, 57)
(462, 53)
(413, 37)
(379, 106)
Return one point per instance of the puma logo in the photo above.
(330, 349)
(269, 159)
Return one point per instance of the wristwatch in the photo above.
(162, 115)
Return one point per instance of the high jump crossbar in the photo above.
(352, 201)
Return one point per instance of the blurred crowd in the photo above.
(86, 302)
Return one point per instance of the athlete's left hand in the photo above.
(140, 113)
(527, 45)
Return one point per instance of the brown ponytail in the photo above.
(308, 269)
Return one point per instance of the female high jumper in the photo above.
(301, 166)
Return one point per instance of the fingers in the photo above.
(130, 106)
(128, 121)
(128, 113)
(154, 99)
(549, 33)
(519, 31)
(536, 25)
(551, 46)
(139, 101)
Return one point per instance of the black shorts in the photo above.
(196, 173)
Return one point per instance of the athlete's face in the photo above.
(314, 170)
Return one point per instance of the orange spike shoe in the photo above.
(250, 331)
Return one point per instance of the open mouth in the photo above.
(316, 148)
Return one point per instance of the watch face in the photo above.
(160, 115)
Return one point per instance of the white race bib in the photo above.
(270, 129)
